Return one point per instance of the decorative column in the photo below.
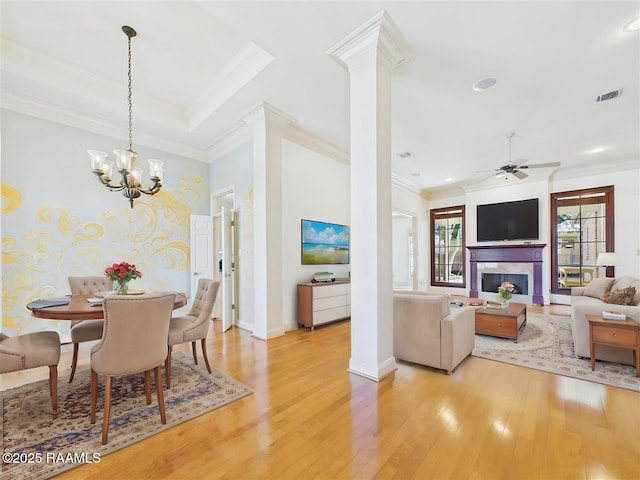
(267, 124)
(370, 54)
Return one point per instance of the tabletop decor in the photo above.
(505, 292)
(121, 274)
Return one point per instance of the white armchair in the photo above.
(425, 331)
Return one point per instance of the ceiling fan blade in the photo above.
(520, 174)
(542, 165)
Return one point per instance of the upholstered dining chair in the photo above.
(195, 325)
(134, 340)
(86, 330)
(31, 350)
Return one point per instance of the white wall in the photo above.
(411, 203)
(236, 168)
(314, 187)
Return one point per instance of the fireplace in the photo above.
(499, 258)
(491, 282)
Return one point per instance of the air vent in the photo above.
(405, 154)
(608, 96)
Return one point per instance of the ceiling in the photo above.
(200, 66)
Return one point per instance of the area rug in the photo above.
(36, 446)
(545, 343)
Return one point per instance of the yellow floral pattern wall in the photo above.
(50, 232)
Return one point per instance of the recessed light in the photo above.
(415, 174)
(448, 179)
(484, 84)
(633, 25)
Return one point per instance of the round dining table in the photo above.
(79, 308)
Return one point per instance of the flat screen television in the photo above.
(324, 243)
(508, 221)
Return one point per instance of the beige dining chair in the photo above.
(134, 341)
(31, 350)
(195, 325)
(86, 330)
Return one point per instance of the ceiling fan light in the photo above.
(484, 84)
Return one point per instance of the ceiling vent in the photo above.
(607, 96)
(405, 154)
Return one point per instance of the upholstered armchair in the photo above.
(86, 330)
(425, 331)
(195, 325)
(134, 340)
(39, 349)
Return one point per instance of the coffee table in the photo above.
(502, 322)
(618, 333)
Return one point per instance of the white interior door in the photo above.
(202, 258)
(227, 268)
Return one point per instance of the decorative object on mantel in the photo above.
(131, 181)
(121, 274)
(505, 293)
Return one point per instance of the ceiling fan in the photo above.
(515, 169)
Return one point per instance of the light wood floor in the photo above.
(309, 418)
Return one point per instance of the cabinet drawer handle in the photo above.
(499, 324)
(613, 334)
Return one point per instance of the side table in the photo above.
(618, 333)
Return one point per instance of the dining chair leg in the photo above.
(107, 409)
(74, 361)
(204, 354)
(147, 386)
(53, 388)
(195, 355)
(167, 367)
(160, 394)
(94, 394)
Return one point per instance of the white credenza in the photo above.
(320, 303)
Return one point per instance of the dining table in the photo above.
(80, 308)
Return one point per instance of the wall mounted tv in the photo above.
(324, 243)
(508, 221)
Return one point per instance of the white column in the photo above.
(370, 54)
(266, 125)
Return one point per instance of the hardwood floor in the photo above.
(310, 418)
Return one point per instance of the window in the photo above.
(581, 228)
(448, 247)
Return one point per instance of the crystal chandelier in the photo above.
(131, 182)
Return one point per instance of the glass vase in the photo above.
(504, 302)
(122, 287)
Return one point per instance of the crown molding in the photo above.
(380, 35)
(245, 66)
(234, 138)
(265, 112)
(311, 141)
(70, 117)
(398, 181)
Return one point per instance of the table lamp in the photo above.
(607, 259)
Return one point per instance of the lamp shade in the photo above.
(607, 259)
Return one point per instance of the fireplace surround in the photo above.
(527, 253)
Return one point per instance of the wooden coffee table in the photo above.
(619, 333)
(502, 322)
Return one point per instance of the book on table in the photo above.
(611, 315)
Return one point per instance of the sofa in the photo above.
(427, 332)
(592, 300)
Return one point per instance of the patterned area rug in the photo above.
(545, 343)
(36, 446)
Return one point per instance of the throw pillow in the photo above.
(598, 287)
(621, 297)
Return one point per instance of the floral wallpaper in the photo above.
(58, 221)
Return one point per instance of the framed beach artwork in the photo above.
(324, 243)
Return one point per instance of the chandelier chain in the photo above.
(129, 99)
